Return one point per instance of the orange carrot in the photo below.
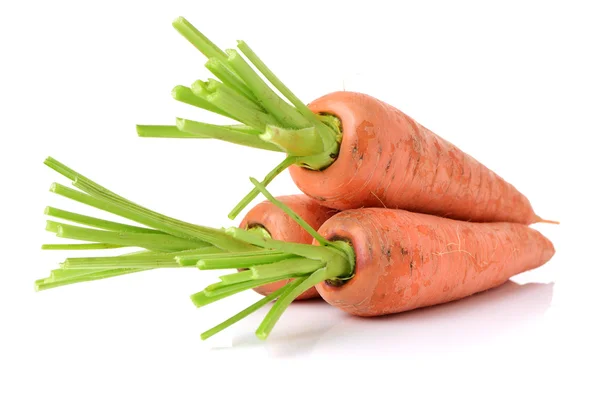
(377, 261)
(346, 150)
(388, 160)
(407, 260)
(275, 223)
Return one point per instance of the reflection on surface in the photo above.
(482, 318)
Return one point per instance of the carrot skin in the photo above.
(386, 159)
(408, 260)
(281, 227)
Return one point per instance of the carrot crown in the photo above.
(171, 243)
(161, 240)
(266, 120)
(309, 265)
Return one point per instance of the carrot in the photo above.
(408, 260)
(167, 243)
(345, 150)
(271, 221)
(388, 160)
(376, 261)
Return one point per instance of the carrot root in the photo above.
(545, 221)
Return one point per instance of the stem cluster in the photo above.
(270, 115)
(165, 242)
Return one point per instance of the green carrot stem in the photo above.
(312, 141)
(276, 82)
(164, 131)
(150, 241)
(230, 134)
(236, 277)
(42, 284)
(173, 132)
(294, 290)
(295, 142)
(303, 250)
(225, 74)
(203, 298)
(261, 187)
(232, 103)
(213, 86)
(185, 95)
(229, 261)
(71, 274)
(284, 113)
(95, 222)
(279, 270)
(198, 40)
(256, 119)
(100, 197)
(331, 261)
(243, 314)
(155, 261)
(75, 270)
(297, 266)
(81, 246)
(329, 138)
(144, 259)
(220, 288)
(290, 160)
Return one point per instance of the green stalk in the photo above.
(100, 197)
(150, 241)
(285, 114)
(289, 160)
(243, 314)
(213, 86)
(294, 266)
(294, 290)
(236, 277)
(43, 284)
(230, 134)
(170, 238)
(225, 74)
(95, 222)
(261, 187)
(308, 265)
(240, 260)
(231, 102)
(81, 246)
(302, 250)
(136, 260)
(198, 40)
(92, 263)
(281, 123)
(185, 95)
(165, 131)
(204, 297)
(295, 142)
(238, 134)
(70, 274)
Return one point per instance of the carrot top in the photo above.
(162, 239)
(309, 265)
(267, 120)
(167, 242)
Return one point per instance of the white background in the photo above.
(516, 85)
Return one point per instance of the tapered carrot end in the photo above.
(545, 221)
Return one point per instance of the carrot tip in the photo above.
(546, 221)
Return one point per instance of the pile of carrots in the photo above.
(392, 216)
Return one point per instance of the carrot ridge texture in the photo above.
(408, 260)
(387, 159)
